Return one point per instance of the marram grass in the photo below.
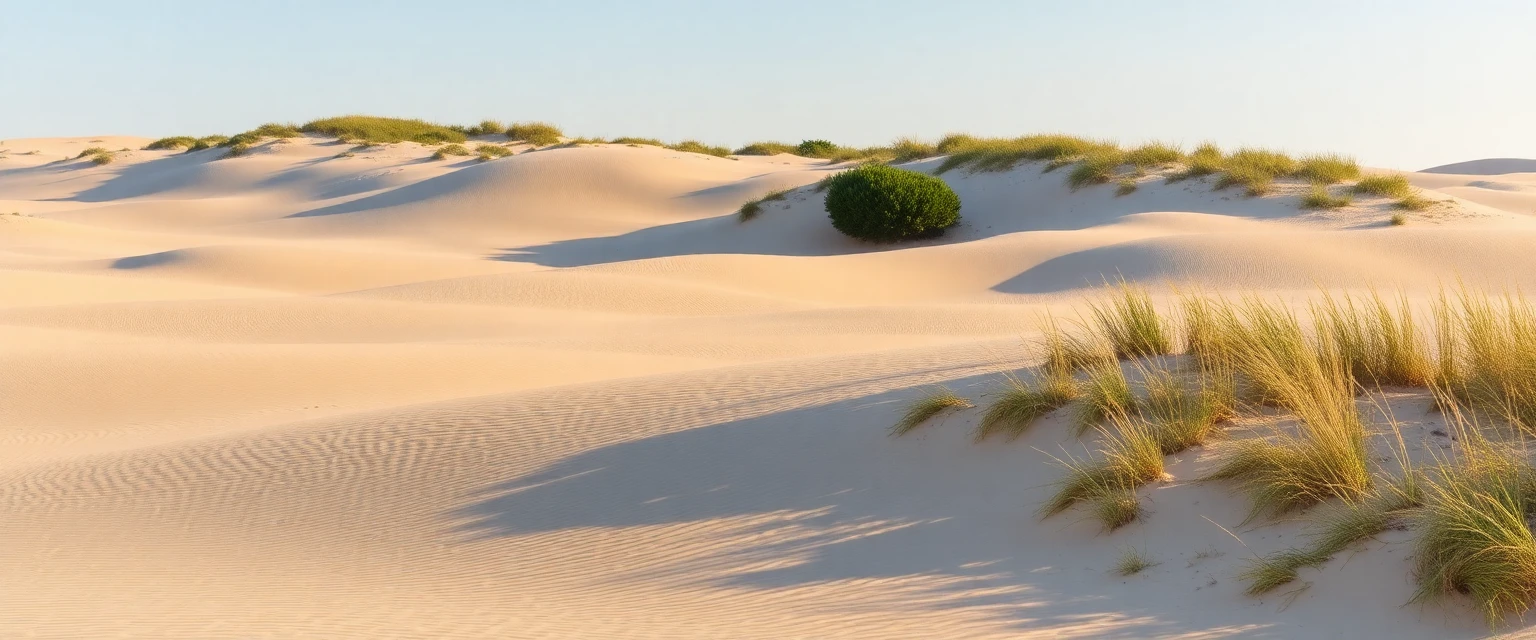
(751, 208)
(1020, 404)
(921, 410)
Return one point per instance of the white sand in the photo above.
(566, 394)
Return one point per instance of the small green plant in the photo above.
(1071, 352)
(450, 150)
(816, 149)
(238, 149)
(91, 152)
(1319, 198)
(751, 208)
(1205, 160)
(921, 410)
(275, 130)
(383, 130)
(538, 134)
(1126, 187)
(765, 149)
(1386, 186)
(1019, 404)
(886, 204)
(694, 146)
(1133, 561)
(1397, 220)
(1183, 416)
(909, 149)
(486, 128)
(1116, 508)
(492, 151)
(1106, 395)
(1327, 169)
(1003, 154)
(102, 157)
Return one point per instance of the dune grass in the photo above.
(1154, 154)
(1377, 342)
(1325, 169)
(1133, 561)
(103, 157)
(276, 130)
(1318, 197)
(237, 149)
(751, 208)
(1020, 404)
(1116, 507)
(766, 148)
(1002, 154)
(632, 141)
(173, 142)
(1184, 415)
(1130, 458)
(538, 134)
(455, 149)
(1492, 368)
(694, 146)
(490, 152)
(207, 142)
(1075, 351)
(381, 129)
(1386, 186)
(1411, 202)
(1206, 159)
(1106, 396)
(91, 151)
(1255, 170)
(486, 128)
(1097, 167)
(938, 401)
(1126, 186)
(1131, 323)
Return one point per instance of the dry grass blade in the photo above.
(1020, 405)
(1130, 458)
(921, 410)
(1131, 323)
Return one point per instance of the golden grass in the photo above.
(450, 150)
(694, 146)
(1116, 508)
(1020, 404)
(1072, 352)
(751, 208)
(173, 142)
(1126, 186)
(380, 129)
(1327, 169)
(1133, 561)
(1106, 395)
(1098, 167)
(1318, 197)
(1154, 154)
(1379, 343)
(1386, 186)
(921, 410)
(1184, 415)
(1130, 458)
(491, 152)
(538, 134)
(765, 149)
(1002, 154)
(1411, 202)
(1131, 323)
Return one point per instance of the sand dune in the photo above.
(567, 394)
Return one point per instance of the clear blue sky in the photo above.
(1403, 83)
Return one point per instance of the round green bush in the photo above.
(885, 204)
(815, 148)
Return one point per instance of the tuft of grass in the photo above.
(1126, 187)
(1327, 169)
(1493, 368)
(638, 141)
(1106, 395)
(1131, 323)
(450, 150)
(1154, 154)
(909, 149)
(1386, 186)
(1116, 508)
(276, 130)
(1096, 168)
(1070, 352)
(207, 142)
(1473, 537)
(486, 128)
(764, 149)
(383, 130)
(102, 157)
(1411, 202)
(1397, 220)
(1003, 154)
(1319, 198)
(1130, 458)
(1205, 160)
(91, 152)
(1255, 170)
(751, 208)
(694, 146)
(1377, 343)
(1182, 416)
(921, 410)
(538, 134)
(1133, 561)
(491, 152)
(1019, 405)
(238, 149)
(173, 142)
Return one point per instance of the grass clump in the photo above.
(1126, 187)
(383, 130)
(1377, 343)
(1133, 561)
(275, 130)
(238, 149)
(1131, 323)
(207, 142)
(694, 146)
(1002, 154)
(1319, 198)
(91, 151)
(1411, 202)
(1327, 169)
(1096, 168)
(486, 128)
(816, 149)
(1020, 404)
(1130, 458)
(1397, 220)
(751, 208)
(909, 149)
(173, 142)
(450, 150)
(1491, 364)
(1386, 186)
(1070, 352)
(765, 149)
(631, 141)
(491, 152)
(926, 407)
(1116, 508)
(1106, 395)
(1184, 416)
(1153, 154)
(1205, 160)
(538, 134)
(1255, 170)
(102, 157)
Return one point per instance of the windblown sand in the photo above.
(566, 394)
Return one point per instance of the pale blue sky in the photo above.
(1403, 84)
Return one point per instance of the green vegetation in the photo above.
(885, 204)
(1412, 202)
(1339, 528)
(765, 149)
(926, 407)
(1153, 154)
(174, 142)
(1131, 324)
(1002, 154)
(1020, 405)
(1126, 187)
(207, 142)
(382, 130)
(102, 157)
(1106, 395)
(1097, 167)
(694, 146)
(1319, 198)
(1327, 169)
(1205, 160)
(492, 152)
(238, 149)
(751, 208)
(1116, 508)
(275, 130)
(538, 134)
(91, 152)
(1129, 458)
(486, 128)
(1132, 562)
(638, 141)
(816, 149)
(450, 150)
(1386, 186)
(1397, 220)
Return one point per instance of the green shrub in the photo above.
(765, 149)
(816, 149)
(173, 142)
(380, 129)
(885, 204)
(102, 157)
(694, 146)
(537, 134)
(450, 150)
